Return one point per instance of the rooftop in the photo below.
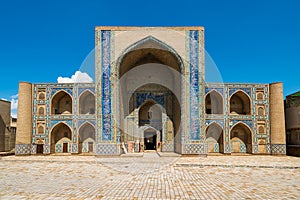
(296, 94)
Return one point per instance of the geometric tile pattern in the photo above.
(254, 148)
(246, 90)
(217, 121)
(46, 149)
(58, 148)
(107, 149)
(142, 97)
(85, 147)
(75, 148)
(216, 147)
(278, 148)
(248, 122)
(193, 149)
(268, 148)
(168, 147)
(33, 149)
(243, 148)
(219, 90)
(23, 149)
(249, 148)
(227, 148)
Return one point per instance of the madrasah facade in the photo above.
(150, 93)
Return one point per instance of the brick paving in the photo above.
(149, 177)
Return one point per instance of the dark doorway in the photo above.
(91, 144)
(39, 148)
(65, 147)
(150, 140)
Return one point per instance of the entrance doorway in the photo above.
(65, 147)
(91, 144)
(150, 140)
(39, 148)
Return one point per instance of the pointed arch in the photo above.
(150, 113)
(240, 103)
(214, 138)
(148, 53)
(61, 103)
(86, 138)
(261, 111)
(261, 129)
(40, 129)
(152, 102)
(148, 50)
(150, 43)
(41, 96)
(260, 96)
(214, 103)
(60, 137)
(41, 111)
(241, 138)
(146, 127)
(86, 130)
(151, 138)
(87, 103)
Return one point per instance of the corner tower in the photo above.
(24, 124)
(277, 120)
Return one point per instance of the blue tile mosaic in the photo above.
(142, 97)
(106, 86)
(194, 85)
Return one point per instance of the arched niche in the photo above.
(41, 111)
(87, 103)
(240, 104)
(213, 103)
(214, 138)
(86, 138)
(61, 136)
(61, 103)
(241, 139)
(40, 129)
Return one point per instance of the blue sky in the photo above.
(250, 41)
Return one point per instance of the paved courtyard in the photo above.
(149, 177)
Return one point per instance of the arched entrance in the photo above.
(241, 139)
(151, 137)
(86, 138)
(150, 116)
(61, 136)
(214, 138)
(155, 106)
(150, 70)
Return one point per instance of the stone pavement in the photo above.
(149, 177)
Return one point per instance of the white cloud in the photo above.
(15, 96)
(14, 113)
(14, 105)
(78, 77)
